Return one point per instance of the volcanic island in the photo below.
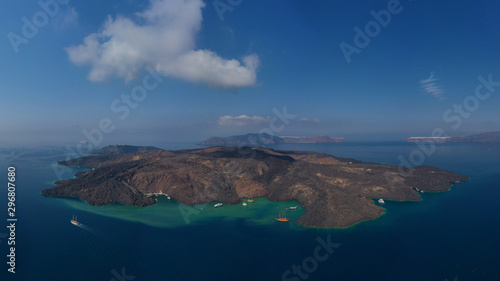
(335, 192)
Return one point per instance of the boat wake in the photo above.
(87, 228)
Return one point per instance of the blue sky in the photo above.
(226, 72)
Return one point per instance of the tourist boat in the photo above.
(293, 208)
(244, 204)
(250, 200)
(282, 217)
(218, 205)
(74, 221)
(381, 201)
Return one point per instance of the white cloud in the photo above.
(164, 37)
(242, 120)
(430, 86)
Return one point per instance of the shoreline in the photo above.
(317, 181)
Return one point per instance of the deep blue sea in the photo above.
(452, 235)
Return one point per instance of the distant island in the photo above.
(335, 192)
(266, 139)
(314, 139)
(491, 137)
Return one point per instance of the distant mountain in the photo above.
(264, 138)
(120, 149)
(248, 139)
(490, 137)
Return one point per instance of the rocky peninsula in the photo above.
(335, 192)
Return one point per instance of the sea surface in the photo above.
(451, 235)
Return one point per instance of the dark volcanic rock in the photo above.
(336, 192)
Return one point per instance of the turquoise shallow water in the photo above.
(447, 235)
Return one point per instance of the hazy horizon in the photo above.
(184, 71)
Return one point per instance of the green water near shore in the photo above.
(169, 213)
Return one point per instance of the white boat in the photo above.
(168, 197)
(74, 221)
(293, 208)
(218, 205)
(381, 201)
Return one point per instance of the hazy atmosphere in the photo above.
(182, 71)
